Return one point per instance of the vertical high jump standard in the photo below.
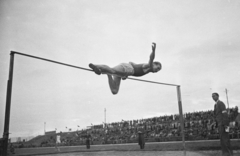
(9, 95)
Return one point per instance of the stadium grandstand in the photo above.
(197, 125)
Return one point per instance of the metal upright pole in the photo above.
(181, 117)
(227, 99)
(8, 105)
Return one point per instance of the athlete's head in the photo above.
(156, 66)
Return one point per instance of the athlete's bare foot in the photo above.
(95, 69)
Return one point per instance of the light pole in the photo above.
(104, 117)
(44, 128)
(227, 98)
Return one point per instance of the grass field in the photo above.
(195, 148)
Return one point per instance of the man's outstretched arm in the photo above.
(152, 55)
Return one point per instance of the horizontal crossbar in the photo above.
(69, 65)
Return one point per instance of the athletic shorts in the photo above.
(128, 69)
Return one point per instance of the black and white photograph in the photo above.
(119, 77)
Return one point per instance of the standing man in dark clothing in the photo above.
(88, 137)
(12, 149)
(221, 117)
(141, 140)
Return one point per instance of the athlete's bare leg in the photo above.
(114, 83)
(114, 75)
(104, 69)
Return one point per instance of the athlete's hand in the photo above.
(153, 46)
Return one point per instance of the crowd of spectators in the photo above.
(197, 126)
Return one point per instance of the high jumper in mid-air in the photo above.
(123, 70)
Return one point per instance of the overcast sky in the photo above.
(198, 44)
